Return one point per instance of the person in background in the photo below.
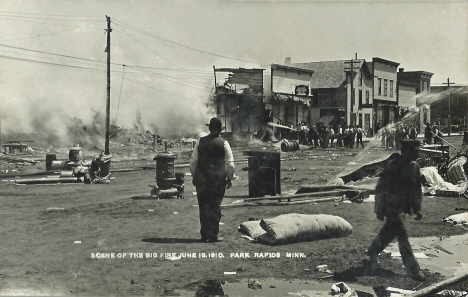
(428, 134)
(314, 136)
(359, 133)
(339, 136)
(353, 136)
(346, 136)
(331, 135)
(413, 133)
(212, 167)
(398, 192)
(435, 130)
(384, 132)
(324, 133)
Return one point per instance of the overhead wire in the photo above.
(177, 95)
(169, 78)
(162, 76)
(175, 43)
(45, 14)
(51, 64)
(191, 73)
(98, 61)
(45, 18)
(54, 54)
(42, 23)
(120, 94)
(48, 34)
(155, 52)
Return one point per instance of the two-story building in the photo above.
(333, 100)
(289, 97)
(385, 102)
(409, 85)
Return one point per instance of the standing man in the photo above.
(212, 167)
(398, 192)
(413, 133)
(339, 136)
(428, 134)
(359, 133)
(331, 133)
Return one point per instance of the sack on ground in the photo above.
(251, 228)
(290, 228)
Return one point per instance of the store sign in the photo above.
(302, 90)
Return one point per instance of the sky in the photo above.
(53, 70)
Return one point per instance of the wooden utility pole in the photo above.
(1, 149)
(448, 83)
(109, 30)
(351, 70)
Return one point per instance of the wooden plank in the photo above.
(432, 289)
(305, 201)
(315, 194)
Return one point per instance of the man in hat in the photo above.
(398, 192)
(212, 167)
(428, 134)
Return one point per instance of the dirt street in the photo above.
(111, 239)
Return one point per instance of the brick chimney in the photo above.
(287, 61)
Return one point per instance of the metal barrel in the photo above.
(289, 145)
(58, 165)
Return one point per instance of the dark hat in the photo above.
(215, 123)
(411, 144)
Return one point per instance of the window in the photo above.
(367, 97)
(391, 88)
(352, 96)
(360, 78)
(360, 97)
(325, 100)
(422, 87)
(385, 82)
(360, 120)
(380, 86)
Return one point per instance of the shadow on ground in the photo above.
(351, 274)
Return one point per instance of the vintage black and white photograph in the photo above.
(233, 148)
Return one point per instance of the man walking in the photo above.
(398, 192)
(212, 167)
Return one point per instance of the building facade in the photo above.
(385, 104)
(409, 85)
(290, 98)
(454, 96)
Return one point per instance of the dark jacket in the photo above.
(211, 168)
(399, 188)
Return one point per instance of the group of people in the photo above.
(392, 136)
(212, 167)
(432, 132)
(322, 136)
